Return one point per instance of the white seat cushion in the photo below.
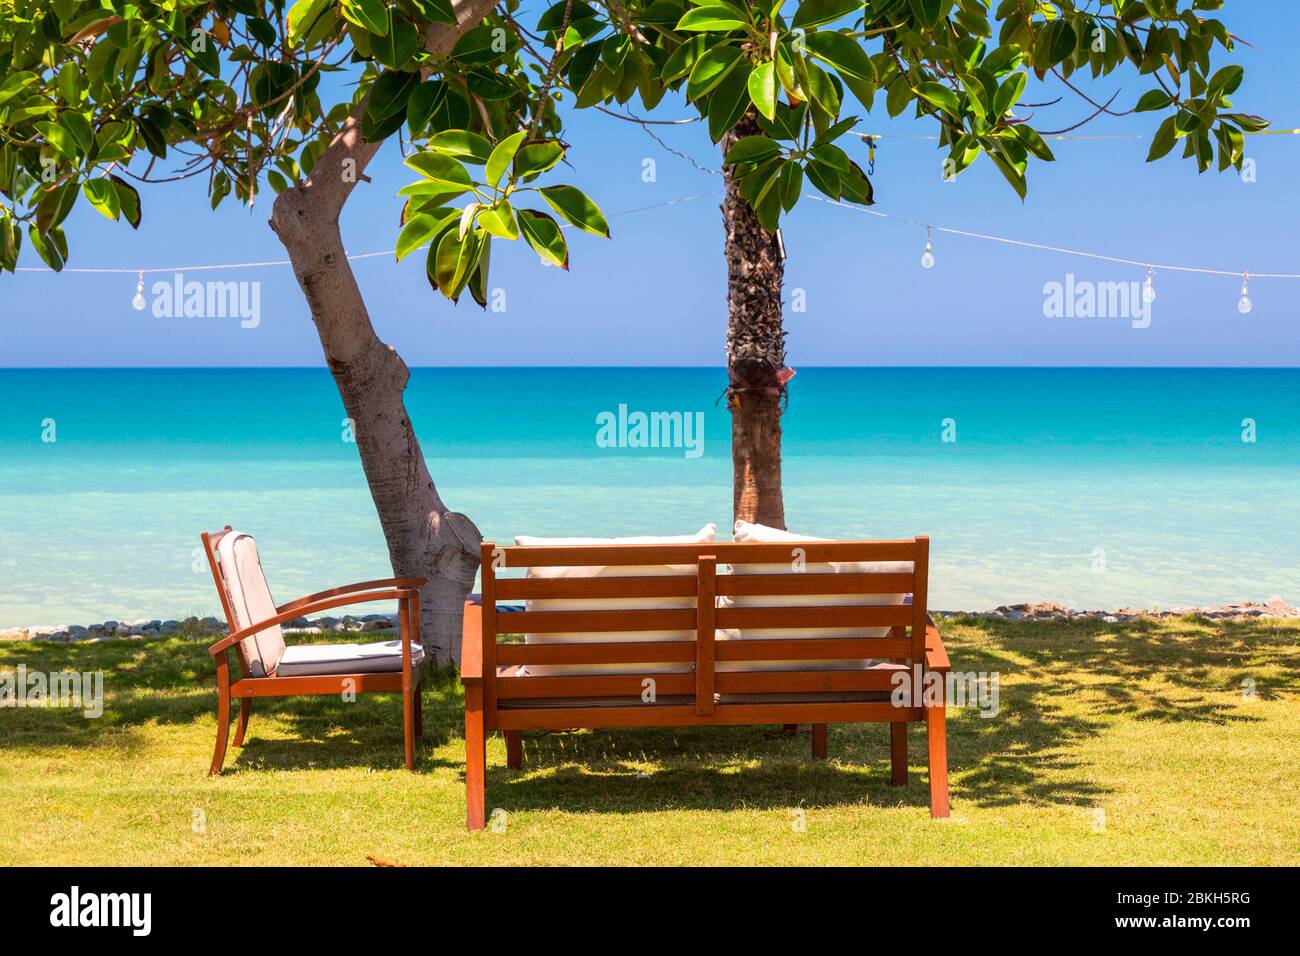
(746, 531)
(300, 660)
(703, 536)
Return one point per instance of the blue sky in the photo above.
(656, 293)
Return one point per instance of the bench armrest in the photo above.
(471, 644)
(936, 655)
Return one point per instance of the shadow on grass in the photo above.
(1061, 685)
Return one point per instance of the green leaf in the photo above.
(791, 184)
(128, 198)
(1008, 94)
(55, 205)
(441, 170)
(710, 69)
(1226, 80)
(682, 60)
(463, 144)
(728, 101)
(59, 138)
(554, 16)
(422, 228)
(1153, 100)
(303, 16)
(103, 197)
(752, 149)
(502, 156)
(711, 17)
(367, 14)
(926, 12)
(575, 207)
(543, 234)
(536, 158)
(80, 128)
(842, 53)
(762, 88)
(1012, 175)
(941, 96)
(811, 13)
(52, 248)
(1163, 141)
(499, 220)
(386, 105)
(452, 260)
(401, 43)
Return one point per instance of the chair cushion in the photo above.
(300, 660)
(747, 531)
(704, 535)
(250, 601)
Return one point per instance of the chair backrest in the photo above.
(805, 607)
(245, 598)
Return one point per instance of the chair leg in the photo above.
(419, 710)
(408, 726)
(514, 749)
(819, 741)
(898, 753)
(241, 728)
(936, 737)
(223, 730)
(475, 759)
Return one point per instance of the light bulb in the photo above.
(1244, 305)
(927, 257)
(138, 302)
(1149, 288)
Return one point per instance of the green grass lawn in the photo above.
(1143, 723)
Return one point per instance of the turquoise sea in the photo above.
(1092, 487)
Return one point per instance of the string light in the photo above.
(1148, 287)
(1244, 304)
(927, 257)
(138, 302)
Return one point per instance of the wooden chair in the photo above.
(269, 668)
(501, 695)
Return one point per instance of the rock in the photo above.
(381, 624)
(211, 623)
(109, 625)
(78, 633)
(170, 627)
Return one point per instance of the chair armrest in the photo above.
(324, 604)
(297, 603)
(936, 655)
(471, 644)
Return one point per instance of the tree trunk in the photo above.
(424, 538)
(755, 352)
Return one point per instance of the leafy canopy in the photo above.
(95, 94)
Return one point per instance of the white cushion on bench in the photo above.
(746, 531)
(703, 536)
(300, 660)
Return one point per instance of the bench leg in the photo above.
(898, 753)
(936, 737)
(514, 749)
(475, 759)
(819, 741)
(245, 708)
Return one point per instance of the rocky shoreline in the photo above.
(1274, 607)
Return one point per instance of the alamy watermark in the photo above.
(1084, 299)
(624, 429)
(64, 689)
(929, 688)
(181, 299)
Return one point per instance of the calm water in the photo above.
(1095, 487)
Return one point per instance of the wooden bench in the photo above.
(501, 696)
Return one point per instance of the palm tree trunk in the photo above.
(424, 538)
(755, 352)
